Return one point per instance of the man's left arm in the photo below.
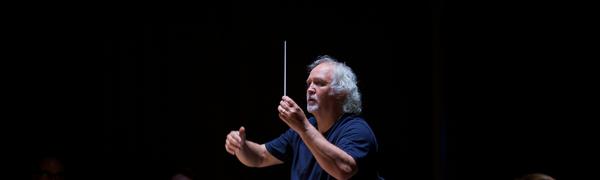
(332, 159)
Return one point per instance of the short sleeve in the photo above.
(358, 141)
(280, 147)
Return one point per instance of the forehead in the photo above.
(322, 71)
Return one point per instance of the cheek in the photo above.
(323, 94)
(320, 93)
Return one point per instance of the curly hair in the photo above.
(344, 81)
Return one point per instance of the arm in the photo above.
(249, 153)
(331, 158)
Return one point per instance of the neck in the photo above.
(325, 121)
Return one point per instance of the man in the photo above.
(334, 143)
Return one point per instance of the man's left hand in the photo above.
(292, 115)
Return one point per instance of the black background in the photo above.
(452, 89)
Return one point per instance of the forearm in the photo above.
(251, 154)
(332, 159)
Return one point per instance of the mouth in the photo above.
(311, 101)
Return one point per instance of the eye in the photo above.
(320, 83)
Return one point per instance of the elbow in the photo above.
(258, 163)
(255, 164)
(248, 163)
(346, 171)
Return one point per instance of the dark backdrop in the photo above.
(452, 92)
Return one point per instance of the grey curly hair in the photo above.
(344, 81)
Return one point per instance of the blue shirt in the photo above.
(350, 133)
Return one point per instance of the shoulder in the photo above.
(356, 125)
(355, 122)
(356, 138)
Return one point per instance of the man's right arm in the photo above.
(249, 153)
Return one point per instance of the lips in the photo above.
(311, 100)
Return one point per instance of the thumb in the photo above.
(242, 133)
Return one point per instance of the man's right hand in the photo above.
(235, 141)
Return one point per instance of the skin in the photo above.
(325, 107)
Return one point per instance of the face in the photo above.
(318, 94)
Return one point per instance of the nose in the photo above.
(311, 89)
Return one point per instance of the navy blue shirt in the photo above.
(350, 133)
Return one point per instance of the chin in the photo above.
(312, 109)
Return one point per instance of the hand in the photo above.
(292, 114)
(235, 141)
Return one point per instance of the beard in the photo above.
(311, 103)
(312, 107)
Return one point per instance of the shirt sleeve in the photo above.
(280, 147)
(358, 141)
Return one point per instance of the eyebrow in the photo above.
(313, 79)
(317, 79)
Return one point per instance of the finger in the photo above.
(285, 104)
(281, 109)
(284, 112)
(289, 101)
(282, 104)
(242, 134)
(232, 137)
(235, 138)
(283, 117)
(229, 150)
(233, 145)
